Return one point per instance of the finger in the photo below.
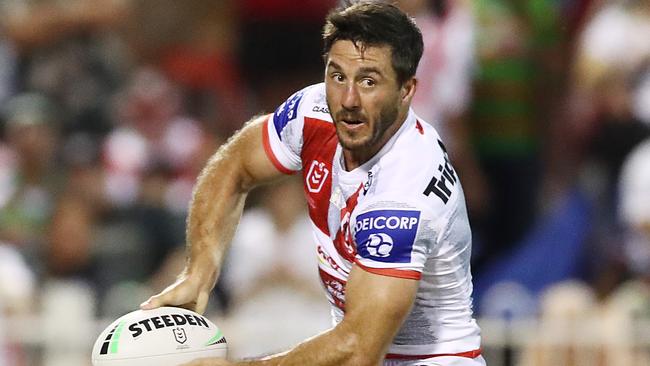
(156, 301)
(152, 303)
(189, 306)
(202, 302)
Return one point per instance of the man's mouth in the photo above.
(351, 121)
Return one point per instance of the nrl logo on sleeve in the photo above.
(316, 176)
(386, 235)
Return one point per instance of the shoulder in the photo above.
(309, 102)
(302, 123)
(417, 169)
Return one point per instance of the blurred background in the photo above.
(109, 109)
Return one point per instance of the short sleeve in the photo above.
(283, 134)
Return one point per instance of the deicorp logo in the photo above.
(386, 235)
(379, 245)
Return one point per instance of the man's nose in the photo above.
(351, 99)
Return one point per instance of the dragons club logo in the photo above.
(379, 245)
(316, 176)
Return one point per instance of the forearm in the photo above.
(214, 213)
(219, 195)
(217, 205)
(375, 308)
(337, 347)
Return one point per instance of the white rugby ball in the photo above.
(165, 336)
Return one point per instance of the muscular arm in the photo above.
(376, 307)
(216, 207)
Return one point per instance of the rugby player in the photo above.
(387, 208)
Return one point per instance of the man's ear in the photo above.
(408, 90)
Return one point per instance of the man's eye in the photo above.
(337, 77)
(368, 82)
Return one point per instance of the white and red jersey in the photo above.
(400, 214)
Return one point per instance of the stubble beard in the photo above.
(356, 143)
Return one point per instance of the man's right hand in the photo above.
(190, 292)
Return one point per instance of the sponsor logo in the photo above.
(335, 288)
(386, 235)
(321, 109)
(442, 182)
(379, 245)
(179, 335)
(286, 112)
(166, 321)
(318, 173)
(328, 259)
(385, 222)
(368, 183)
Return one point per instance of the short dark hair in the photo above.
(376, 23)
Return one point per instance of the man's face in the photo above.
(363, 96)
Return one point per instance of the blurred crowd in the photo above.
(110, 108)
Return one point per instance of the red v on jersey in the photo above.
(344, 242)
